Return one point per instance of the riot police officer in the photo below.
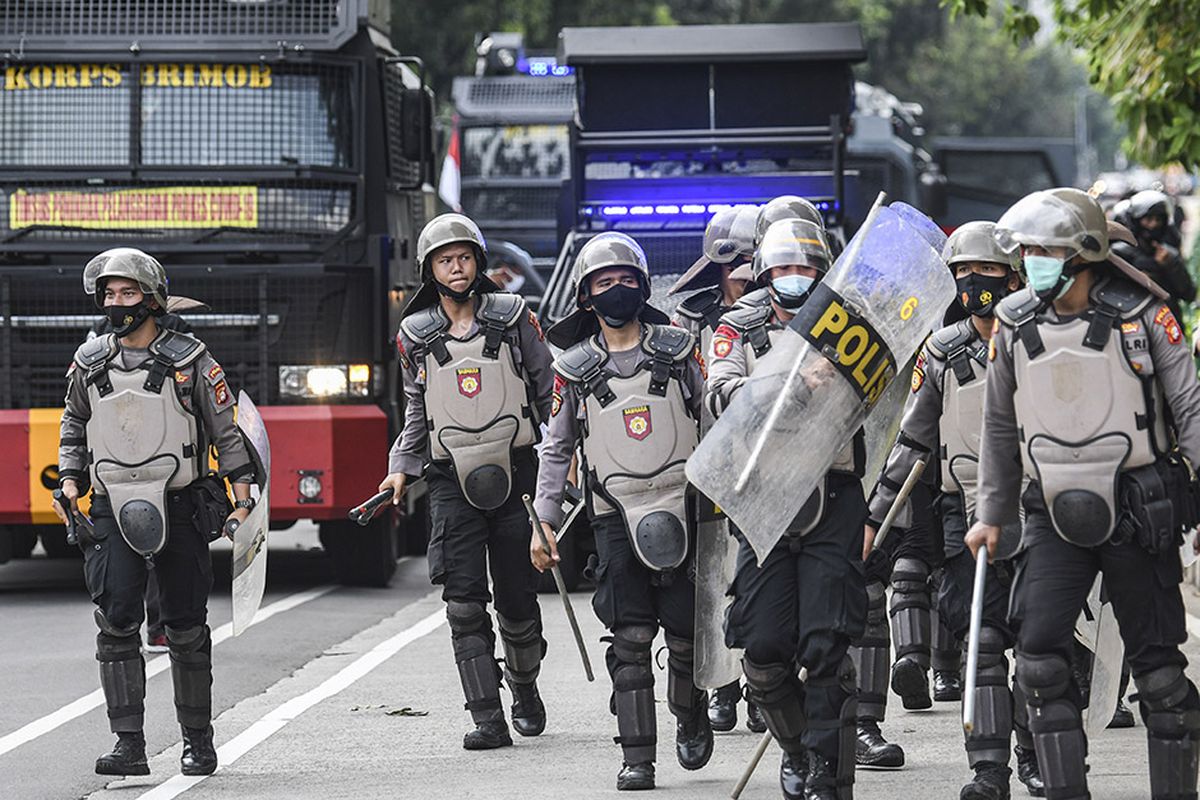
(729, 242)
(477, 383)
(941, 422)
(1150, 215)
(1089, 371)
(143, 405)
(806, 601)
(627, 391)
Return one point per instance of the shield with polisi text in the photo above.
(825, 375)
(250, 539)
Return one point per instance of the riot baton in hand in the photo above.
(362, 514)
(562, 588)
(65, 505)
(981, 562)
(914, 475)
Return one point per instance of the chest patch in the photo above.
(470, 382)
(638, 424)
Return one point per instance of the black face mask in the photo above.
(459, 297)
(1153, 234)
(127, 319)
(619, 305)
(979, 294)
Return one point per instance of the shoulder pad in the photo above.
(96, 351)
(423, 325)
(755, 299)
(177, 348)
(670, 340)
(1125, 296)
(950, 339)
(698, 305)
(580, 360)
(744, 317)
(1018, 307)
(504, 308)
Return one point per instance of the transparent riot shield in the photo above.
(250, 539)
(824, 375)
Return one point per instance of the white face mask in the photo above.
(1044, 273)
(790, 291)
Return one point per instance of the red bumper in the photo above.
(344, 447)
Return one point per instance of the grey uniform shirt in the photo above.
(410, 451)
(568, 415)
(202, 390)
(1000, 475)
(919, 433)
(729, 364)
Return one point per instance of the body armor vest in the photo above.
(142, 442)
(1085, 414)
(963, 382)
(637, 438)
(477, 404)
(751, 318)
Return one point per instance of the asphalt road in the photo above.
(352, 694)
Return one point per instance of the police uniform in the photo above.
(1082, 404)
(805, 603)
(473, 406)
(634, 416)
(941, 422)
(137, 429)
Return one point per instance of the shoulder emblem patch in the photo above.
(215, 374)
(1167, 320)
(402, 352)
(560, 383)
(700, 360)
(918, 378)
(221, 395)
(537, 326)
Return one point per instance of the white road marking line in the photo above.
(154, 666)
(273, 721)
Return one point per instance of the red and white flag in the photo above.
(450, 183)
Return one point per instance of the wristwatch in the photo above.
(247, 504)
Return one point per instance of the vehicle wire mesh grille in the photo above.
(402, 171)
(310, 318)
(187, 114)
(187, 22)
(515, 95)
(511, 204)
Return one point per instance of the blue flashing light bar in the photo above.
(543, 67)
(678, 209)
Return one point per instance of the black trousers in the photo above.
(116, 576)
(1054, 577)
(922, 540)
(958, 579)
(466, 543)
(806, 603)
(630, 593)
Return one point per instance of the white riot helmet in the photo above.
(129, 263)
(1063, 217)
(449, 229)
(610, 249)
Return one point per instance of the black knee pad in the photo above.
(1165, 689)
(467, 616)
(191, 672)
(631, 643)
(116, 631)
(777, 691)
(1043, 677)
(683, 697)
(123, 680)
(991, 651)
(524, 648)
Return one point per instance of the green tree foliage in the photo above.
(1144, 55)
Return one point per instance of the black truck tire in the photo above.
(361, 555)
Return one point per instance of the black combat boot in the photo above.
(990, 782)
(822, 778)
(128, 756)
(1028, 771)
(636, 777)
(199, 756)
(694, 740)
(910, 681)
(754, 719)
(722, 708)
(488, 735)
(947, 686)
(871, 750)
(1122, 717)
(528, 711)
(793, 774)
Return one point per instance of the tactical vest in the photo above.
(1085, 414)
(751, 318)
(142, 442)
(964, 354)
(638, 435)
(477, 400)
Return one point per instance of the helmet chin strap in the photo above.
(458, 297)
